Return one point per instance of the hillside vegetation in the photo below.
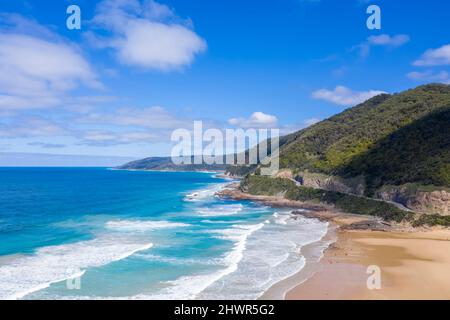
(395, 142)
(403, 138)
(416, 153)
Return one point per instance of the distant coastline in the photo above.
(218, 172)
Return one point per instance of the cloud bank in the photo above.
(37, 71)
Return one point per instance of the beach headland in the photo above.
(413, 262)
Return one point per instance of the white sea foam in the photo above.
(179, 260)
(269, 256)
(140, 225)
(239, 234)
(262, 254)
(49, 265)
(188, 287)
(221, 210)
(282, 217)
(215, 221)
(204, 194)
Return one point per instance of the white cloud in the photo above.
(159, 46)
(383, 40)
(16, 23)
(36, 72)
(101, 128)
(429, 75)
(147, 34)
(27, 101)
(86, 104)
(109, 138)
(46, 145)
(257, 120)
(387, 40)
(131, 125)
(150, 118)
(31, 127)
(344, 96)
(435, 57)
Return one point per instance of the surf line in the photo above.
(186, 310)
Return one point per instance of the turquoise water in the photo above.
(94, 233)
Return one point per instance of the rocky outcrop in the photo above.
(417, 199)
(354, 186)
(429, 200)
(284, 174)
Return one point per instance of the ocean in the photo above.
(96, 233)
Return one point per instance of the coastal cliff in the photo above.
(412, 197)
(322, 181)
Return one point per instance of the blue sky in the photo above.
(137, 70)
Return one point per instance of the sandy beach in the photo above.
(413, 263)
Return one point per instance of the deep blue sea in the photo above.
(96, 233)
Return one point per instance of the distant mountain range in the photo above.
(166, 164)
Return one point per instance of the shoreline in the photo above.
(313, 254)
(413, 262)
(218, 172)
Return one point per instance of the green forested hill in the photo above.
(416, 153)
(390, 139)
(397, 145)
